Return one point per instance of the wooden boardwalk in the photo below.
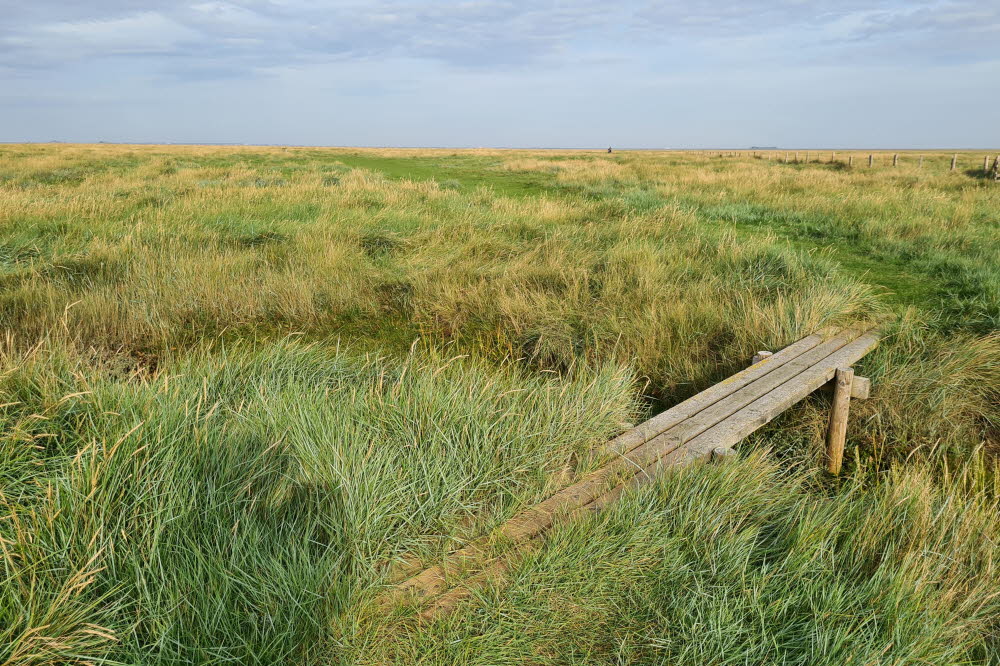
(706, 425)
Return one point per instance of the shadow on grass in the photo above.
(979, 174)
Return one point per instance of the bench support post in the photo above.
(837, 432)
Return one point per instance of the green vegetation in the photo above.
(457, 170)
(237, 384)
(280, 479)
(743, 565)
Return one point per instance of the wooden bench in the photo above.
(704, 426)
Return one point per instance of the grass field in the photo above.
(237, 384)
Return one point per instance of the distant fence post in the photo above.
(921, 165)
(986, 164)
(996, 169)
(954, 161)
(833, 157)
(850, 160)
(895, 159)
(871, 159)
(807, 157)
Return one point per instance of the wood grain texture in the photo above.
(836, 434)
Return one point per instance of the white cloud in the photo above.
(484, 33)
(148, 32)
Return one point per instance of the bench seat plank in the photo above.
(723, 409)
(763, 410)
(645, 431)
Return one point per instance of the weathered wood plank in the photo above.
(709, 417)
(532, 521)
(492, 573)
(643, 432)
(762, 411)
(730, 432)
(722, 454)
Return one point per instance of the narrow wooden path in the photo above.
(706, 425)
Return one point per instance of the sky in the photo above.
(504, 73)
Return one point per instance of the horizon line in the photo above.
(423, 147)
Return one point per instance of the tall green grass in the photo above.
(183, 482)
(231, 509)
(740, 564)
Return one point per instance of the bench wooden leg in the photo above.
(760, 356)
(837, 432)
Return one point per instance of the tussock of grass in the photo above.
(937, 391)
(233, 508)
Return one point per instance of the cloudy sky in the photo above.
(683, 74)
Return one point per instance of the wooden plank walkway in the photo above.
(708, 423)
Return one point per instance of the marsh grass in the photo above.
(743, 564)
(229, 510)
(238, 383)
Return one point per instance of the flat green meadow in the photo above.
(239, 384)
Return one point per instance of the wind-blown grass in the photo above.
(183, 482)
(742, 564)
(231, 509)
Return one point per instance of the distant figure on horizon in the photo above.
(609, 149)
